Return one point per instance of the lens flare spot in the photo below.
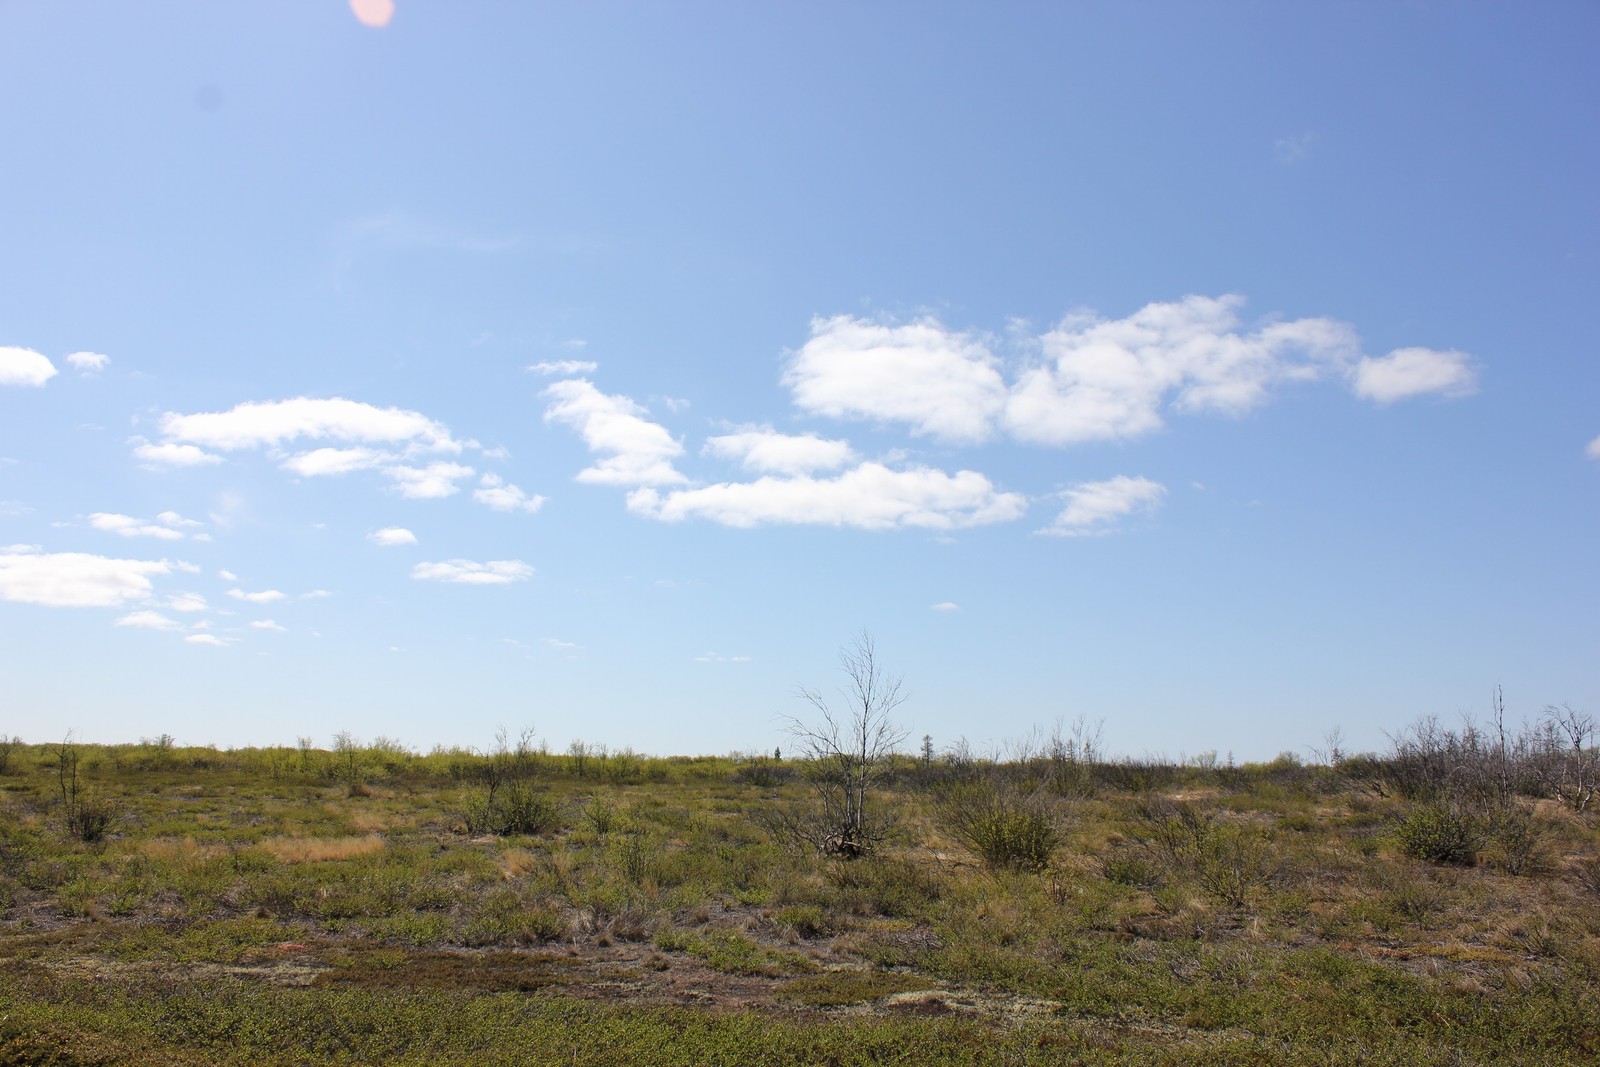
(373, 12)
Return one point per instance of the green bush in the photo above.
(601, 815)
(1009, 829)
(1233, 862)
(806, 920)
(1131, 870)
(1516, 840)
(517, 807)
(1442, 833)
(505, 919)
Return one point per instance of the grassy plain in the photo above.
(297, 906)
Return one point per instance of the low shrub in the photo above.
(1009, 829)
(1232, 862)
(1128, 869)
(1516, 840)
(806, 920)
(517, 807)
(1441, 832)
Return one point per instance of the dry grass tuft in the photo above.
(516, 862)
(319, 849)
(180, 850)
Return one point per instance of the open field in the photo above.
(369, 904)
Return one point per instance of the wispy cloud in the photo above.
(169, 525)
(1293, 149)
(170, 454)
(870, 496)
(494, 492)
(323, 462)
(1093, 379)
(1111, 379)
(1409, 372)
(1094, 507)
(564, 366)
(264, 596)
(467, 572)
(761, 449)
(127, 526)
(207, 639)
(431, 482)
(633, 450)
(392, 535)
(77, 579)
(277, 423)
(397, 231)
(149, 620)
(940, 382)
(88, 362)
(946, 606)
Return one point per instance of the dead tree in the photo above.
(847, 749)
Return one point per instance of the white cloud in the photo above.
(1093, 506)
(428, 483)
(943, 383)
(712, 657)
(265, 596)
(946, 606)
(24, 366)
(1087, 378)
(565, 366)
(636, 451)
(187, 602)
(315, 594)
(268, 624)
(76, 579)
(168, 454)
(763, 450)
(149, 620)
(320, 462)
(1593, 451)
(88, 362)
(1293, 149)
(228, 576)
(466, 572)
(502, 497)
(392, 535)
(870, 496)
(206, 639)
(172, 518)
(127, 526)
(1102, 380)
(269, 424)
(562, 646)
(1408, 372)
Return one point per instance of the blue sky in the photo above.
(1225, 372)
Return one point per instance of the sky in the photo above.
(1221, 373)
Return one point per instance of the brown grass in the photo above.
(318, 849)
(181, 850)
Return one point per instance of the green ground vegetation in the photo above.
(1439, 904)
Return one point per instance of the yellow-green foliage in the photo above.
(245, 907)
